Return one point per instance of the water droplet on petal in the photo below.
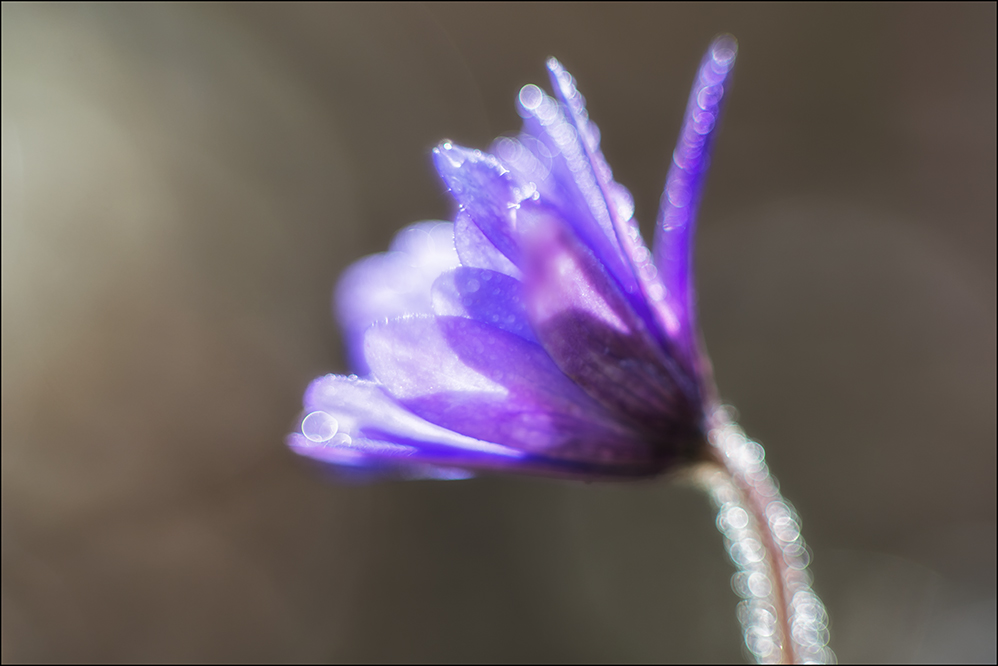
(709, 97)
(531, 97)
(319, 427)
(703, 122)
(341, 439)
(724, 50)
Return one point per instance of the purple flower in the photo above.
(536, 333)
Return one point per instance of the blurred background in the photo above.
(182, 186)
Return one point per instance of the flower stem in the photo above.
(782, 620)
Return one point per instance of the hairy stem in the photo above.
(782, 620)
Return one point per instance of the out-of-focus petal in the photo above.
(484, 295)
(590, 330)
(483, 382)
(352, 422)
(394, 283)
(354, 427)
(676, 225)
(617, 205)
(550, 140)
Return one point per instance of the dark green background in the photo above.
(182, 185)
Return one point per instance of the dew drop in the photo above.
(709, 96)
(341, 439)
(319, 427)
(531, 97)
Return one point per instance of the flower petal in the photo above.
(484, 190)
(550, 141)
(353, 426)
(488, 296)
(354, 423)
(483, 382)
(590, 330)
(392, 284)
(477, 251)
(673, 248)
(617, 205)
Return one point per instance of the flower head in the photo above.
(536, 332)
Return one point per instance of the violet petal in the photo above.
(590, 330)
(484, 190)
(353, 422)
(571, 186)
(394, 283)
(676, 225)
(617, 205)
(488, 296)
(477, 251)
(483, 382)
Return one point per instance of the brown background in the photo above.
(182, 186)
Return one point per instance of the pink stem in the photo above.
(782, 619)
